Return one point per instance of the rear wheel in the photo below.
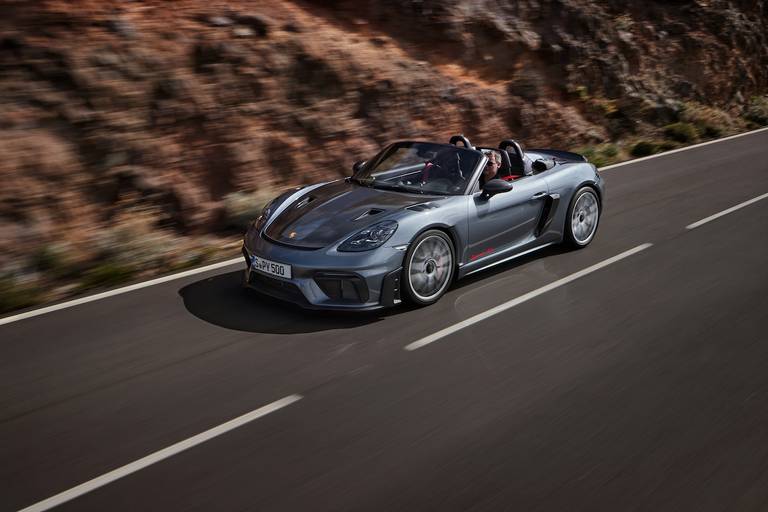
(583, 217)
(429, 267)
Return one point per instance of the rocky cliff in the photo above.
(131, 131)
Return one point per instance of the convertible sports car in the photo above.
(414, 218)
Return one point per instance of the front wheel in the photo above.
(428, 267)
(583, 217)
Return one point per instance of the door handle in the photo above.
(538, 195)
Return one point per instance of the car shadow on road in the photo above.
(488, 274)
(221, 300)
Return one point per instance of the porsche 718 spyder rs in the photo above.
(414, 218)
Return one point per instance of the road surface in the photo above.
(641, 385)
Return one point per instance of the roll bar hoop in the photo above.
(463, 139)
(503, 145)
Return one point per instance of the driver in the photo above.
(491, 170)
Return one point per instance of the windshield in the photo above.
(420, 168)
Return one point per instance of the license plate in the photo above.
(270, 267)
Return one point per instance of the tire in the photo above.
(429, 267)
(583, 218)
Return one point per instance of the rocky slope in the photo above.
(132, 132)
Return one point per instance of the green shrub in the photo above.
(599, 161)
(55, 260)
(644, 148)
(15, 295)
(106, 274)
(709, 131)
(588, 152)
(681, 132)
(757, 111)
(668, 145)
(581, 92)
(600, 155)
(44, 259)
(190, 260)
(193, 257)
(610, 150)
(710, 122)
(591, 154)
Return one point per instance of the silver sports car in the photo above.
(414, 218)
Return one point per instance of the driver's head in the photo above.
(492, 166)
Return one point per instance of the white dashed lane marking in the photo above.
(523, 298)
(726, 212)
(160, 455)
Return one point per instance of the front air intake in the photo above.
(342, 286)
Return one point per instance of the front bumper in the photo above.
(326, 278)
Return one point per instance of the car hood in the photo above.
(326, 214)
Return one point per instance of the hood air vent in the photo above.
(369, 213)
(303, 202)
(422, 207)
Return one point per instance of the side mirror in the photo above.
(496, 186)
(357, 166)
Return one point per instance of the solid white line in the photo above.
(678, 150)
(118, 291)
(726, 212)
(153, 458)
(523, 298)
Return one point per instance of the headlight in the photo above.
(370, 237)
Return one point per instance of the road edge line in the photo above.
(678, 150)
(116, 291)
(521, 299)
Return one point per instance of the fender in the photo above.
(455, 240)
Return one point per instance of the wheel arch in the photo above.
(594, 187)
(453, 235)
(446, 231)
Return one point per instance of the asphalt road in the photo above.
(641, 386)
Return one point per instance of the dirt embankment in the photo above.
(136, 135)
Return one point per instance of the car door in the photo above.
(503, 221)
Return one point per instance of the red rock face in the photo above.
(109, 105)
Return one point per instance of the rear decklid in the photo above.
(561, 156)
